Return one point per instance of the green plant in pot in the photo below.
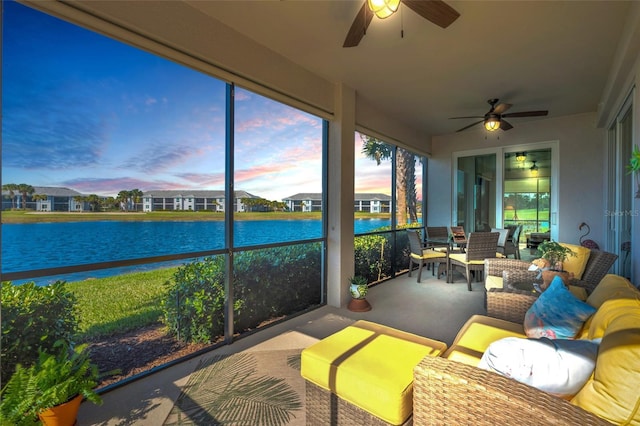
(61, 379)
(358, 287)
(555, 254)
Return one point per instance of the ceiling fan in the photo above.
(494, 119)
(436, 11)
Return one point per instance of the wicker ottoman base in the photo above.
(325, 408)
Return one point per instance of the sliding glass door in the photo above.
(619, 212)
(527, 192)
(507, 186)
(476, 192)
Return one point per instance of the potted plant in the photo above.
(358, 287)
(634, 167)
(554, 254)
(51, 390)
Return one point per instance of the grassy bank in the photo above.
(21, 216)
(119, 303)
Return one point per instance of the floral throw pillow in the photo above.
(557, 313)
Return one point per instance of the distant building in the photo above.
(58, 199)
(191, 200)
(312, 202)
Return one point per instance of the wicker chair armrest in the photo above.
(495, 266)
(513, 276)
(508, 304)
(448, 392)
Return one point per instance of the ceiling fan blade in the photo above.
(470, 125)
(501, 108)
(435, 11)
(526, 114)
(505, 125)
(359, 26)
(472, 116)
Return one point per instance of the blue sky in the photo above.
(87, 112)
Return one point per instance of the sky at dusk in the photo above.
(83, 111)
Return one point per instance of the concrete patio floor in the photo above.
(431, 308)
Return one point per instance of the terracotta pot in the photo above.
(359, 305)
(63, 414)
(549, 275)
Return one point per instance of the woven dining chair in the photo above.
(502, 238)
(458, 236)
(420, 255)
(512, 246)
(440, 233)
(480, 246)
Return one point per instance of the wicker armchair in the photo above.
(449, 392)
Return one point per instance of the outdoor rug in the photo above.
(247, 388)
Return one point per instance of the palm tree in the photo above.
(136, 196)
(12, 188)
(406, 195)
(108, 203)
(25, 190)
(123, 199)
(94, 202)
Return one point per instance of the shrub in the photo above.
(34, 318)
(371, 254)
(277, 281)
(193, 307)
(267, 284)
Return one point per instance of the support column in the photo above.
(340, 180)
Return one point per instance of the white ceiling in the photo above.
(536, 55)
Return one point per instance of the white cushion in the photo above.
(560, 367)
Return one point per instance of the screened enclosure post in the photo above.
(228, 215)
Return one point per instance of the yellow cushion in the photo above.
(462, 258)
(612, 287)
(610, 311)
(579, 292)
(577, 263)
(371, 366)
(477, 334)
(613, 392)
(429, 254)
(492, 281)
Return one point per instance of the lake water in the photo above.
(48, 245)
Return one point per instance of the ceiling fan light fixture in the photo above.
(383, 8)
(534, 169)
(492, 123)
(521, 156)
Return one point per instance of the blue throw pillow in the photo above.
(557, 314)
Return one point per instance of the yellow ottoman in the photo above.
(368, 365)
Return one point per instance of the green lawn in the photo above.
(527, 214)
(120, 303)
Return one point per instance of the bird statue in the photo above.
(590, 244)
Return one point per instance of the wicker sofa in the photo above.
(590, 266)
(452, 390)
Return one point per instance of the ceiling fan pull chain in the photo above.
(401, 23)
